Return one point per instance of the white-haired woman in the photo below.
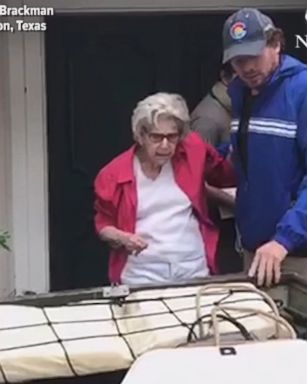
(150, 203)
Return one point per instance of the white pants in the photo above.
(137, 272)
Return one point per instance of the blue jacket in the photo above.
(272, 196)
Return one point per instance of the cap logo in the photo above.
(238, 30)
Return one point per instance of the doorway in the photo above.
(98, 67)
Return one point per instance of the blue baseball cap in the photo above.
(244, 33)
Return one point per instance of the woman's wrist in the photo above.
(114, 236)
(119, 237)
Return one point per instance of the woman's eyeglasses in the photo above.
(159, 137)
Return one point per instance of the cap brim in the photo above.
(254, 48)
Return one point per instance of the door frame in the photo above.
(28, 125)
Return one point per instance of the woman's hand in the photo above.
(117, 238)
(133, 242)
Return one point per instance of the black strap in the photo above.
(242, 137)
(213, 95)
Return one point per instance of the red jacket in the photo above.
(116, 198)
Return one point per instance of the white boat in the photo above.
(92, 335)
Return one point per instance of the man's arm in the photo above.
(219, 170)
(291, 231)
(220, 197)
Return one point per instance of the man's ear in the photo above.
(278, 47)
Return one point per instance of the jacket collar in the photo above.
(287, 67)
(126, 173)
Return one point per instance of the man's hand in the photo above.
(266, 265)
(133, 243)
(220, 197)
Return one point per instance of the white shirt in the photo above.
(165, 220)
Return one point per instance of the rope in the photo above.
(279, 321)
(231, 288)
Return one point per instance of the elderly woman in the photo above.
(150, 203)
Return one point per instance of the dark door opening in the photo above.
(98, 67)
